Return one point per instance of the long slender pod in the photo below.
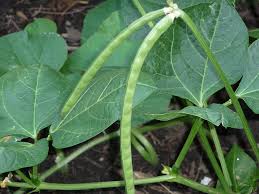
(224, 79)
(106, 53)
(125, 135)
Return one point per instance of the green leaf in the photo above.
(215, 113)
(122, 56)
(11, 138)
(181, 66)
(254, 33)
(17, 155)
(98, 107)
(151, 5)
(248, 89)
(20, 49)
(41, 25)
(242, 170)
(30, 99)
(97, 31)
(157, 103)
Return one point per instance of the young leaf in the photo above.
(181, 65)
(248, 89)
(98, 107)
(242, 170)
(30, 99)
(20, 49)
(215, 113)
(17, 155)
(41, 25)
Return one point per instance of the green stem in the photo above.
(113, 184)
(144, 147)
(220, 154)
(105, 54)
(224, 79)
(142, 11)
(206, 146)
(100, 140)
(199, 187)
(35, 172)
(78, 152)
(194, 130)
(24, 177)
(125, 135)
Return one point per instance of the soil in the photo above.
(102, 163)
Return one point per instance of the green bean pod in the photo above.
(105, 54)
(125, 134)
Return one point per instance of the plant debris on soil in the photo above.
(102, 163)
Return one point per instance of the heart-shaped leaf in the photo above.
(17, 155)
(30, 99)
(21, 49)
(181, 65)
(248, 89)
(215, 113)
(98, 107)
(41, 25)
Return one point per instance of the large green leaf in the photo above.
(242, 170)
(30, 99)
(215, 113)
(98, 107)
(41, 25)
(17, 155)
(20, 49)
(248, 89)
(181, 65)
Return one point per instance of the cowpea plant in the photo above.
(137, 55)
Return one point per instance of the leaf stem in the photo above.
(206, 146)
(113, 184)
(142, 11)
(100, 140)
(144, 147)
(220, 154)
(104, 55)
(194, 130)
(35, 172)
(224, 79)
(24, 177)
(125, 135)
